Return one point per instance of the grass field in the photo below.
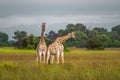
(80, 64)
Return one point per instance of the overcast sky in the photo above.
(28, 12)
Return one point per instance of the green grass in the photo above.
(15, 51)
(80, 64)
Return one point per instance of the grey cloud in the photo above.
(61, 7)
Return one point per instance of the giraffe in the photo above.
(41, 47)
(57, 48)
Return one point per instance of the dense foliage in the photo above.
(24, 41)
(96, 38)
(3, 39)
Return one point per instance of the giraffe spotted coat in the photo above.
(57, 48)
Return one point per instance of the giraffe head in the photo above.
(72, 34)
(43, 26)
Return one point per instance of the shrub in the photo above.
(3, 44)
(94, 43)
(65, 48)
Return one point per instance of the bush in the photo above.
(65, 48)
(3, 44)
(94, 44)
(116, 43)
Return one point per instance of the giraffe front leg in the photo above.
(52, 59)
(43, 58)
(40, 57)
(48, 56)
(62, 57)
(58, 54)
(44, 53)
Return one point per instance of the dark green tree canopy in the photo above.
(3, 37)
(52, 35)
(19, 35)
(94, 43)
(99, 34)
(29, 42)
(80, 27)
(84, 37)
(114, 35)
(70, 27)
(117, 29)
(100, 30)
(61, 32)
(93, 34)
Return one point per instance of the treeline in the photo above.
(92, 39)
(97, 38)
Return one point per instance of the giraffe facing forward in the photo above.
(57, 48)
(41, 47)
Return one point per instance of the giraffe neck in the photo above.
(63, 38)
(42, 40)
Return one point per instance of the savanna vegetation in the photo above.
(18, 58)
(80, 64)
(96, 38)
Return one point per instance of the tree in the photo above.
(29, 42)
(70, 27)
(3, 44)
(94, 43)
(52, 35)
(117, 29)
(103, 37)
(61, 32)
(3, 37)
(100, 30)
(80, 27)
(93, 34)
(19, 37)
(81, 35)
(114, 35)
(116, 43)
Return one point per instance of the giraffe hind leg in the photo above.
(62, 57)
(37, 57)
(43, 55)
(40, 57)
(58, 55)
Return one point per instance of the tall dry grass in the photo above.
(80, 64)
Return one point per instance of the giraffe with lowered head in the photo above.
(41, 47)
(57, 48)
